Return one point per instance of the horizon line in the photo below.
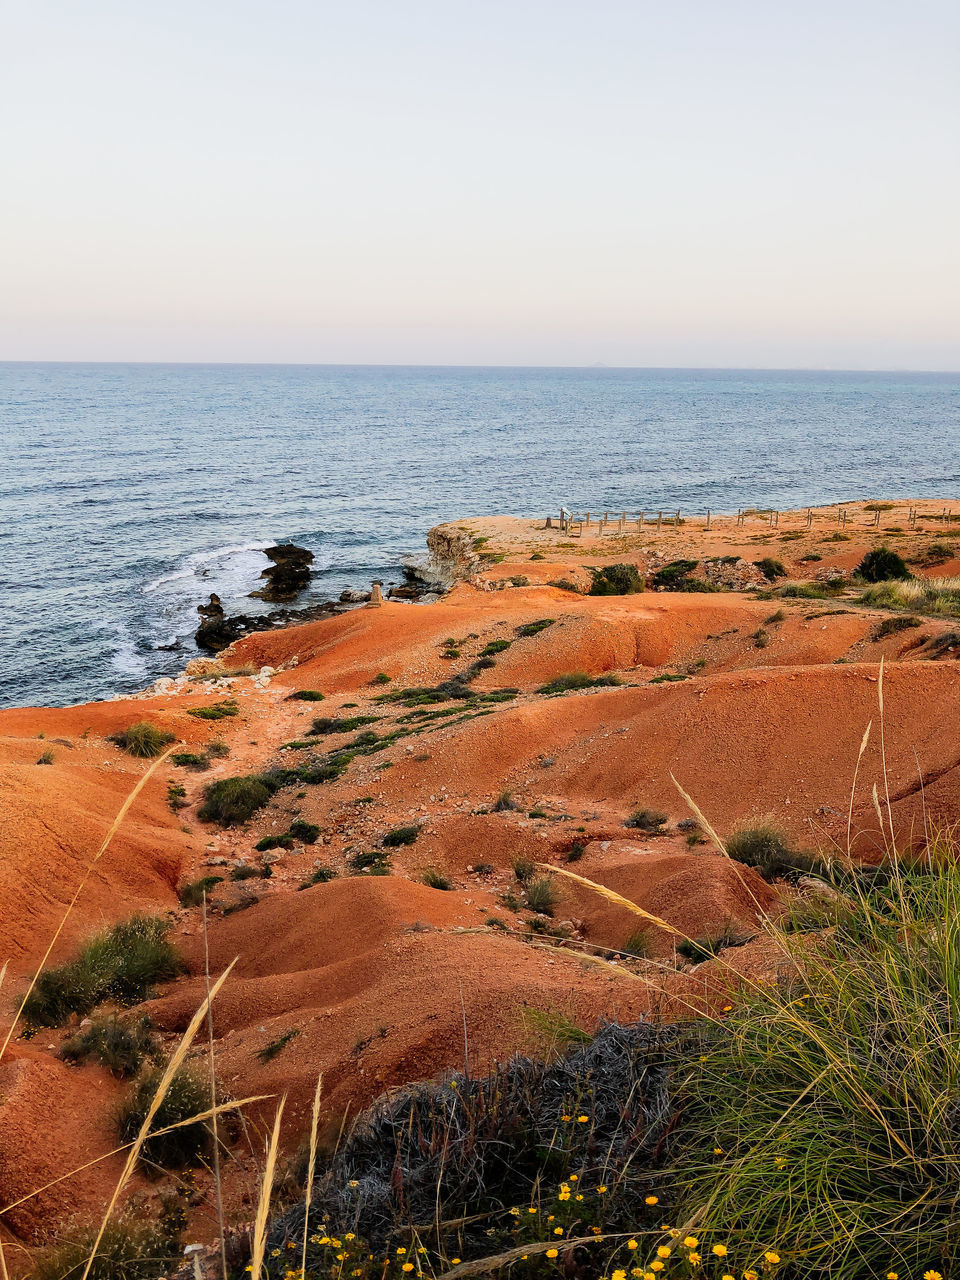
(597, 367)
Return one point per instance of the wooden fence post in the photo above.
(708, 517)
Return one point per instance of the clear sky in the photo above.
(633, 182)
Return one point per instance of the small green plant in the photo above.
(890, 626)
(306, 695)
(46, 756)
(340, 724)
(246, 871)
(760, 638)
(495, 646)
(319, 875)
(192, 894)
(274, 842)
(504, 803)
(381, 678)
(120, 1046)
(770, 568)
(400, 836)
(306, 832)
(523, 869)
(143, 739)
(234, 800)
(564, 584)
(215, 711)
(510, 901)
(190, 760)
(553, 1031)
(435, 879)
(188, 1095)
(699, 950)
(636, 945)
(882, 565)
(616, 580)
(518, 580)
(121, 964)
(534, 628)
(369, 860)
(775, 618)
(764, 846)
(576, 851)
(541, 895)
(650, 820)
(574, 680)
(673, 576)
(176, 796)
(270, 1051)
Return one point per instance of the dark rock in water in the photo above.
(289, 575)
(216, 630)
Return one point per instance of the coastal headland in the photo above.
(421, 767)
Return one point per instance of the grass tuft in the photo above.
(143, 739)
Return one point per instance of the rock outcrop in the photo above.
(289, 575)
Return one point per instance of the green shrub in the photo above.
(400, 836)
(578, 680)
(534, 628)
(882, 565)
(234, 800)
(504, 803)
(760, 638)
(143, 739)
(270, 1051)
(373, 860)
(890, 626)
(564, 584)
(121, 964)
(306, 695)
(215, 711)
(340, 724)
(192, 894)
(131, 1248)
(435, 879)
(307, 832)
(46, 756)
(636, 945)
(319, 875)
(274, 842)
(190, 760)
(673, 576)
(523, 869)
(770, 568)
(381, 678)
(699, 950)
(764, 846)
(188, 1095)
(176, 796)
(649, 820)
(541, 895)
(616, 580)
(495, 646)
(120, 1046)
(576, 851)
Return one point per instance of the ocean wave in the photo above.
(201, 560)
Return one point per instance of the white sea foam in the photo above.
(199, 561)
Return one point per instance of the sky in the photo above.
(754, 183)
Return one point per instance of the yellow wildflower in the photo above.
(631, 1245)
(664, 1251)
(401, 1249)
(893, 1275)
(651, 1199)
(601, 1190)
(932, 1275)
(552, 1253)
(558, 1231)
(531, 1209)
(656, 1266)
(774, 1258)
(718, 1151)
(619, 1274)
(574, 1177)
(719, 1250)
(690, 1242)
(407, 1266)
(582, 1119)
(693, 1259)
(454, 1262)
(750, 1275)
(349, 1236)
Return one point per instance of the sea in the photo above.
(130, 492)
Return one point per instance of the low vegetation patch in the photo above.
(188, 1095)
(534, 628)
(890, 626)
(650, 820)
(435, 879)
(933, 597)
(131, 1248)
(616, 580)
(340, 724)
(192, 894)
(319, 875)
(400, 836)
(234, 800)
(190, 760)
(765, 847)
(143, 739)
(578, 680)
(215, 711)
(120, 1045)
(541, 895)
(122, 964)
(306, 695)
(270, 1051)
(770, 568)
(882, 565)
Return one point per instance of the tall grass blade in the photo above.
(266, 1191)
(308, 1196)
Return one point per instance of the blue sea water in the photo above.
(130, 492)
